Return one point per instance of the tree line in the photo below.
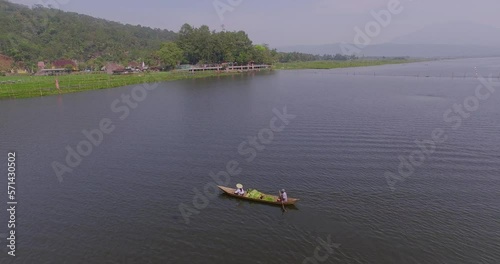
(202, 46)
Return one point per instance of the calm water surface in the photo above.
(121, 204)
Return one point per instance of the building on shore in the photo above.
(112, 67)
(227, 68)
(67, 64)
(6, 63)
(53, 72)
(41, 65)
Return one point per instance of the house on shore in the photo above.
(53, 72)
(66, 64)
(41, 65)
(134, 65)
(111, 68)
(6, 63)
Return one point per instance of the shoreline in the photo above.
(326, 65)
(20, 87)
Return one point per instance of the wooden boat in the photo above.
(230, 192)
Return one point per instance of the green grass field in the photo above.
(336, 64)
(34, 86)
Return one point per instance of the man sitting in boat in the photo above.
(283, 197)
(239, 190)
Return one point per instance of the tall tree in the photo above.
(170, 54)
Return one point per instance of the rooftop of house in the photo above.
(63, 63)
(6, 62)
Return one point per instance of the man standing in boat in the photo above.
(239, 190)
(283, 197)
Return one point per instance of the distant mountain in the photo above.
(38, 33)
(454, 39)
(453, 33)
(313, 49)
(430, 50)
(402, 50)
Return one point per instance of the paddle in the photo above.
(282, 204)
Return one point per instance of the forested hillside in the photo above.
(39, 33)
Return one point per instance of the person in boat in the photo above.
(283, 196)
(239, 190)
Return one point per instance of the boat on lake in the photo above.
(262, 198)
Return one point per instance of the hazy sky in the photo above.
(286, 22)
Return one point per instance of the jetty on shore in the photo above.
(250, 67)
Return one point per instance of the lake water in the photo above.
(121, 203)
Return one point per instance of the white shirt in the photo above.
(240, 192)
(284, 197)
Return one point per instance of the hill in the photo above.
(39, 33)
(453, 33)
